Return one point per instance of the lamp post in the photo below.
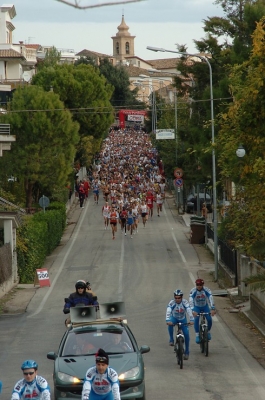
(153, 102)
(143, 82)
(215, 224)
(240, 151)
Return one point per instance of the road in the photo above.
(143, 272)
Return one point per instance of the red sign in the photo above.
(43, 277)
(178, 173)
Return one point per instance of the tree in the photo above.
(52, 58)
(46, 137)
(227, 42)
(84, 92)
(244, 123)
(118, 77)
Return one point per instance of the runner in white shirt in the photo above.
(159, 202)
(105, 213)
(144, 211)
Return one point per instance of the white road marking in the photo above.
(120, 290)
(175, 240)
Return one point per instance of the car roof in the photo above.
(98, 324)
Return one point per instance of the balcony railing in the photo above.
(4, 129)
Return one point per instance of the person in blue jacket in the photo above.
(201, 300)
(177, 310)
(80, 297)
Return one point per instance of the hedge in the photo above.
(38, 236)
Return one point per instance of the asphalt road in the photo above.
(143, 272)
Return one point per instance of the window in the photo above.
(127, 48)
(117, 48)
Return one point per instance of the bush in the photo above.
(39, 235)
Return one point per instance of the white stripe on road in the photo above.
(74, 237)
(120, 290)
(174, 238)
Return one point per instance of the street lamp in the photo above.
(240, 151)
(142, 81)
(153, 102)
(213, 147)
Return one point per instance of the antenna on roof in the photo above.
(30, 37)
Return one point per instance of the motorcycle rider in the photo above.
(32, 385)
(80, 296)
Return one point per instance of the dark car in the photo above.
(77, 353)
(191, 203)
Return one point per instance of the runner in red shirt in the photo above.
(150, 203)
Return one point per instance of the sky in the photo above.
(158, 23)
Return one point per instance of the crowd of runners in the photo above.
(130, 177)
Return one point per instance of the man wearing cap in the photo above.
(101, 382)
(201, 300)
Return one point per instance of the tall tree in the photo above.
(227, 42)
(84, 92)
(52, 58)
(118, 77)
(244, 123)
(46, 137)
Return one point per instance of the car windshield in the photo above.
(88, 342)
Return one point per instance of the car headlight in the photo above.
(132, 373)
(68, 378)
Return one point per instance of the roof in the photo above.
(164, 63)
(10, 54)
(10, 210)
(90, 53)
(136, 71)
(138, 58)
(33, 46)
(10, 8)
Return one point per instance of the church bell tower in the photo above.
(123, 43)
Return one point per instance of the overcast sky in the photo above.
(160, 23)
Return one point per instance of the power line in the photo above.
(93, 110)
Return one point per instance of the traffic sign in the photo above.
(178, 173)
(179, 182)
(165, 134)
(44, 201)
(43, 277)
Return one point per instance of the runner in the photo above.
(143, 208)
(95, 186)
(150, 203)
(159, 202)
(105, 213)
(130, 221)
(106, 192)
(123, 219)
(113, 217)
(135, 212)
